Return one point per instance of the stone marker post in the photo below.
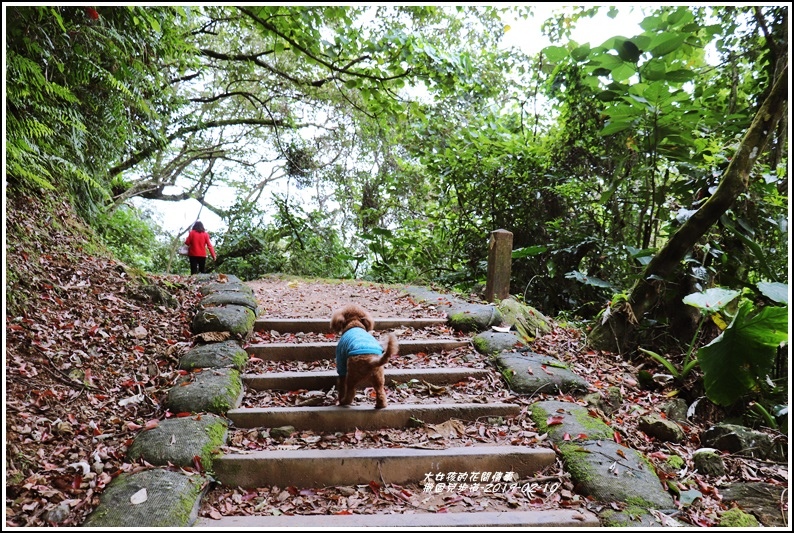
(500, 252)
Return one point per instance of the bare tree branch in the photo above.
(150, 150)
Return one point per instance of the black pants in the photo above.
(197, 264)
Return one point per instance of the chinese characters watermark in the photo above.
(487, 482)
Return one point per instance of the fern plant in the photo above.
(82, 86)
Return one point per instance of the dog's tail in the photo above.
(392, 348)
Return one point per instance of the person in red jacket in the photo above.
(198, 240)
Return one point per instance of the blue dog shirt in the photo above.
(355, 341)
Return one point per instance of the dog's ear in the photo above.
(337, 320)
(367, 321)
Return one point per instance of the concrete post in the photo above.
(500, 251)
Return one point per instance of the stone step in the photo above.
(323, 325)
(365, 416)
(315, 351)
(327, 379)
(328, 468)
(528, 519)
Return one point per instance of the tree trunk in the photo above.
(614, 333)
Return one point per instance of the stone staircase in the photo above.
(308, 468)
(277, 452)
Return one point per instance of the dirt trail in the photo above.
(281, 297)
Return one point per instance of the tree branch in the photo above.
(147, 152)
(342, 70)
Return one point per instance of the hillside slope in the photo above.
(90, 348)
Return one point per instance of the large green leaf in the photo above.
(623, 72)
(777, 292)
(741, 357)
(607, 61)
(628, 51)
(528, 251)
(654, 70)
(555, 54)
(615, 126)
(588, 280)
(665, 43)
(680, 75)
(711, 300)
(581, 53)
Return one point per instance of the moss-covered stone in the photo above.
(631, 516)
(178, 440)
(215, 355)
(172, 500)
(473, 317)
(737, 518)
(609, 472)
(676, 462)
(764, 499)
(660, 428)
(529, 322)
(540, 373)
(574, 456)
(214, 391)
(707, 461)
(494, 342)
(743, 440)
(212, 287)
(675, 409)
(235, 319)
(222, 298)
(574, 421)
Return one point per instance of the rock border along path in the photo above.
(161, 497)
(214, 390)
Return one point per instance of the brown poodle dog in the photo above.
(359, 356)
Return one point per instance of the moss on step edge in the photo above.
(480, 344)
(223, 402)
(212, 449)
(574, 458)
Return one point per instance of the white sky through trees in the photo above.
(175, 217)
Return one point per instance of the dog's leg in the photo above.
(341, 389)
(379, 382)
(347, 390)
(359, 368)
(350, 393)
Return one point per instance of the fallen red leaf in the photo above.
(554, 420)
